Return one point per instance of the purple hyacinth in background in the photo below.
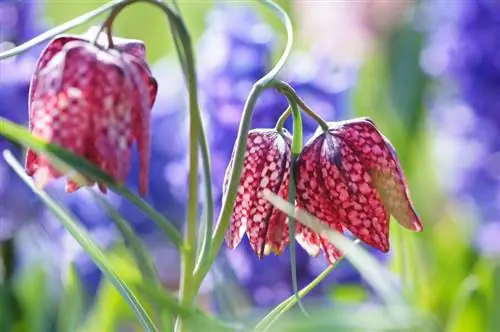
(464, 53)
(18, 24)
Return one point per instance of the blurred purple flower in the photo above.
(464, 48)
(18, 204)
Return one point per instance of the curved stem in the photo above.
(287, 89)
(283, 117)
(241, 141)
(287, 304)
(296, 149)
(60, 29)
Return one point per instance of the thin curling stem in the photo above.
(286, 89)
(240, 146)
(82, 19)
(283, 117)
(296, 149)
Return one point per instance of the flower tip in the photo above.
(417, 226)
(42, 177)
(102, 188)
(267, 250)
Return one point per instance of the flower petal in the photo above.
(57, 113)
(274, 164)
(351, 191)
(379, 158)
(311, 192)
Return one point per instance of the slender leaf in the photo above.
(71, 306)
(83, 238)
(59, 155)
(371, 270)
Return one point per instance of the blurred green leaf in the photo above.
(71, 306)
(83, 238)
(32, 292)
(494, 306)
(149, 23)
(371, 270)
(61, 158)
(406, 80)
(349, 293)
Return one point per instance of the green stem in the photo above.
(296, 149)
(287, 304)
(241, 141)
(283, 117)
(60, 29)
(287, 90)
(86, 242)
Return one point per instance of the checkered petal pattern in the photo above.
(93, 102)
(349, 177)
(266, 166)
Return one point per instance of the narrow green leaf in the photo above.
(371, 270)
(462, 301)
(296, 149)
(141, 256)
(83, 238)
(196, 317)
(71, 306)
(62, 156)
(494, 321)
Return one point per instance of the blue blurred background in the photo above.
(427, 72)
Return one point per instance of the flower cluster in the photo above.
(348, 176)
(244, 54)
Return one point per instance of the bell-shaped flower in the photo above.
(350, 178)
(93, 101)
(266, 166)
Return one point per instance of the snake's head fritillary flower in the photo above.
(350, 178)
(266, 166)
(93, 101)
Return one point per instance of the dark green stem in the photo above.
(287, 90)
(283, 117)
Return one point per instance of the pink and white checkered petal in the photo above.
(144, 96)
(308, 239)
(112, 119)
(246, 194)
(278, 232)
(331, 252)
(56, 119)
(311, 192)
(351, 191)
(270, 175)
(379, 158)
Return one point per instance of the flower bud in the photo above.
(350, 178)
(94, 102)
(266, 166)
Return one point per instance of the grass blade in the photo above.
(370, 269)
(71, 307)
(90, 247)
(21, 136)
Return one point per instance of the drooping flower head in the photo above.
(266, 166)
(96, 102)
(350, 178)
